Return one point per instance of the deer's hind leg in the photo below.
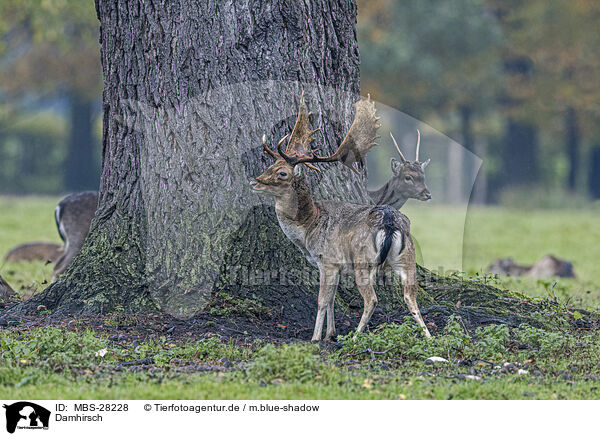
(328, 282)
(405, 265)
(364, 277)
(330, 333)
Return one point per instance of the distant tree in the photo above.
(51, 49)
(594, 180)
(559, 42)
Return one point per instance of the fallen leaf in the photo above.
(435, 359)
(472, 377)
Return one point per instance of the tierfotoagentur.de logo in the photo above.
(26, 415)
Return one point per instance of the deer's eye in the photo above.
(282, 174)
(408, 178)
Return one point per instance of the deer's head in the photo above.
(409, 176)
(279, 178)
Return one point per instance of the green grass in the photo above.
(386, 364)
(454, 238)
(546, 365)
(26, 219)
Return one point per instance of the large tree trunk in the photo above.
(191, 86)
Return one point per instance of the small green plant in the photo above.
(492, 341)
(289, 362)
(547, 342)
(119, 318)
(162, 351)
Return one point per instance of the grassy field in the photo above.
(25, 220)
(454, 238)
(491, 363)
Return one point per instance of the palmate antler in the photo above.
(353, 149)
(300, 139)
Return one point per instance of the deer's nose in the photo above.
(427, 195)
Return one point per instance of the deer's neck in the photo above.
(297, 208)
(390, 195)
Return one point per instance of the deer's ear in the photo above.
(396, 166)
(424, 164)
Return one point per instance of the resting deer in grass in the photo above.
(407, 182)
(48, 252)
(73, 218)
(547, 266)
(336, 235)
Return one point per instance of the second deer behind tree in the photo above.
(407, 182)
(73, 217)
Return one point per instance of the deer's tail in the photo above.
(389, 231)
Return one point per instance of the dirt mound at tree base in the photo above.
(275, 312)
(476, 303)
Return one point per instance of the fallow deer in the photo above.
(73, 217)
(407, 182)
(44, 251)
(547, 266)
(337, 235)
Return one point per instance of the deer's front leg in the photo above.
(328, 281)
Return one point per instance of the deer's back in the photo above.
(346, 232)
(75, 213)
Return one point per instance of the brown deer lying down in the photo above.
(6, 292)
(407, 182)
(547, 266)
(44, 251)
(337, 235)
(73, 217)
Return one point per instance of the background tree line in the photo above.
(514, 82)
